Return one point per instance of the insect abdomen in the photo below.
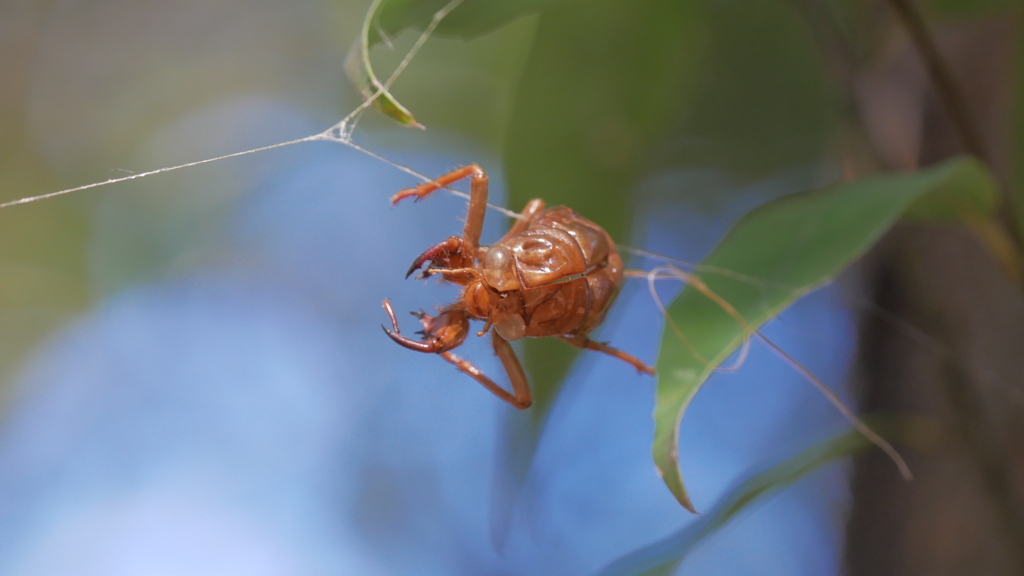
(569, 271)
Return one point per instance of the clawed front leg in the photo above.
(446, 254)
(427, 346)
(522, 399)
(442, 333)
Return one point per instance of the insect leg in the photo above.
(395, 334)
(520, 385)
(477, 200)
(440, 334)
(588, 344)
(439, 253)
(532, 207)
(522, 398)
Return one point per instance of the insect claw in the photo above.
(442, 252)
(425, 273)
(431, 346)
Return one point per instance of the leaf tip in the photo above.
(674, 481)
(684, 499)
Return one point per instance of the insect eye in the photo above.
(499, 269)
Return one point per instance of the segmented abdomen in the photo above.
(569, 271)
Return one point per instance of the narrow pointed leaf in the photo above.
(793, 246)
(360, 72)
(662, 558)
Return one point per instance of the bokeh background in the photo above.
(194, 380)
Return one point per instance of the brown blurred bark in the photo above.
(956, 353)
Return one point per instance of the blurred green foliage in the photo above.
(613, 93)
(602, 88)
(472, 18)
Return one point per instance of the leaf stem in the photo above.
(940, 74)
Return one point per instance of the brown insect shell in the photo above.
(504, 312)
(565, 272)
(479, 299)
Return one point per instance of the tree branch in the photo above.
(941, 76)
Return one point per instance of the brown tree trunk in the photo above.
(946, 343)
(964, 369)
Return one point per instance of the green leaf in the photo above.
(387, 18)
(792, 245)
(472, 19)
(965, 195)
(766, 102)
(663, 557)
